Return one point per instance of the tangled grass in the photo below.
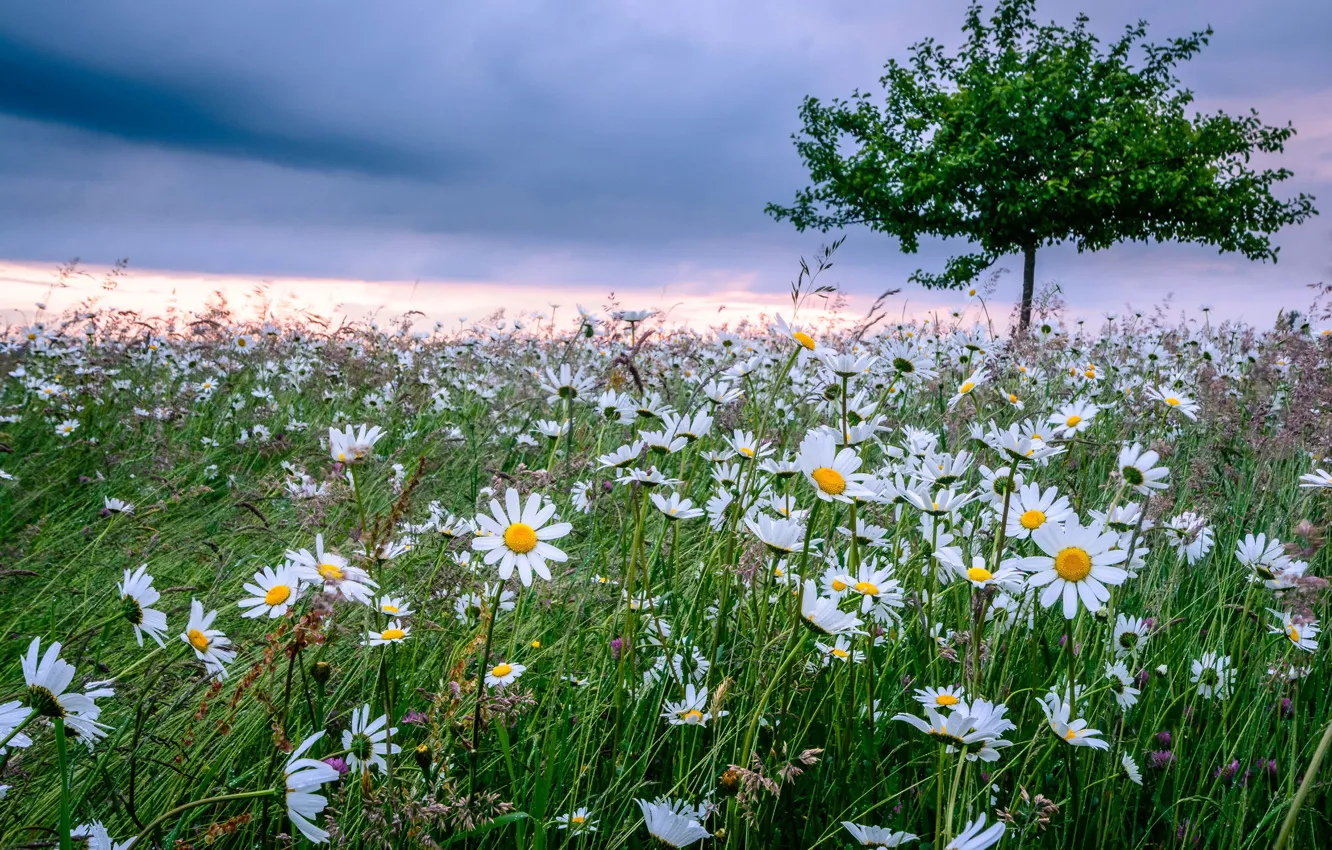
(1057, 590)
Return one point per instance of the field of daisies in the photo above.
(595, 581)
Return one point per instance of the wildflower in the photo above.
(302, 778)
(579, 820)
(273, 592)
(974, 836)
(1058, 711)
(64, 429)
(1129, 636)
(689, 711)
(1184, 405)
(845, 365)
(1131, 769)
(351, 446)
(1191, 536)
(504, 674)
(794, 332)
(518, 537)
(676, 508)
(209, 644)
(1078, 564)
(47, 681)
(941, 697)
(1074, 418)
(137, 596)
(748, 446)
(368, 741)
(1319, 478)
(974, 380)
(961, 727)
(1137, 466)
(116, 506)
(1032, 509)
(822, 614)
(395, 633)
(1303, 636)
(1121, 685)
(840, 650)
(333, 572)
(667, 822)
(95, 836)
(877, 836)
(1213, 676)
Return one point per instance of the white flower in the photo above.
(503, 674)
(1130, 635)
(689, 711)
(1030, 508)
(64, 429)
(580, 820)
(1058, 711)
(518, 537)
(1302, 636)
(1074, 418)
(351, 445)
(1212, 675)
(303, 777)
(822, 614)
(877, 836)
(666, 822)
(395, 633)
(974, 836)
(116, 506)
(1131, 769)
(781, 535)
(12, 714)
(47, 680)
(1078, 564)
(1319, 478)
(1174, 401)
(1137, 466)
(833, 473)
(137, 596)
(333, 572)
(209, 644)
(94, 836)
(675, 507)
(368, 741)
(273, 592)
(1121, 685)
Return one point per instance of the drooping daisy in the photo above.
(959, 728)
(518, 537)
(579, 820)
(1058, 711)
(395, 633)
(368, 741)
(1213, 676)
(94, 836)
(974, 836)
(626, 455)
(878, 836)
(1137, 466)
(210, 645)
(674, 507)
(273, 592)
(666, 822)
(303, 777)
(1303, 636)
(1031, 509)
(351, 446)
(47, 677)
(822, 614)
(1077, 565)
(967, 387)
(1131, 769)
(503, 674)
(780, 535)
(116, 506)
(332, 571)
(1121, 685)
(137, 596)
(1318, 479)
(1130, 635)
(1175, 401)
(12, 715)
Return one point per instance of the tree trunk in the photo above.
(1028, 285)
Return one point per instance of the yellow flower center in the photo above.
(829, 480)
(946, 699)
(1294, 634)
(1012, 399)
(198, 640)
(501, 671)
(577, 819)
(1090, 373)
(1032, 519)
(330, 572)
(838, 585)
(966, 388)
(1070, 734)
(692, 715)
(746, 451)
(840, 653)
(277, 594)
(388, 609)
(520, 537)
(1073, 421)
(804, 339)
(1073, 564)
(392, 634)
(868, 588)
(979, 574)
(1172, 401)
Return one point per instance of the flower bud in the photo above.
(321, 672)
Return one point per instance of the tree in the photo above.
(1032, 136)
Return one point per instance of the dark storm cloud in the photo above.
(627, 142)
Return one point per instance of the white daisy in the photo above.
(1077, 565)
(518, 537)
(137, 596)
(368, 741)
(302, 778)
(209, 644)
(273, 592)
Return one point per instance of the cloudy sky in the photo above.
(523, 152)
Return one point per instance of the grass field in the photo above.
(586, 563)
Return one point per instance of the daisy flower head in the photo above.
(1130, 635)
(748, 446)
(781, 535)
(302, 779)
(272, 592)
(1318, 479)
(1033, 508)
(1077, 565)
(210, 645)
(1302, 636)
(328, 568)
(1131, 769)
(115, 506)
(794, 332)
(822, 614)
(1058, 712)
(1138, 469)
(95, 836)
(579, 820)
(945, 697)
(1212, 675)
(503, 674)
(393, 606)
(353, 444)
(845, 365)
(48, 677)
(675, 508)
(64, 429)
(1074, 418)
(671, 822)
(368, 741)
(396, 632)
(690, 710)
(519, 537)
(834, 474)
(12, 715)
(1121, 685)
(967, 387)
(975, 836)
(1174, 401)
(137, 596)
(877, 836)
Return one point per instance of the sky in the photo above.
(456, 158)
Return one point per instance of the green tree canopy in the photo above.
(1031, 136)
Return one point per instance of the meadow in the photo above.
(588, 580)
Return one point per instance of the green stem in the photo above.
(62, 759)
(157, 821)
